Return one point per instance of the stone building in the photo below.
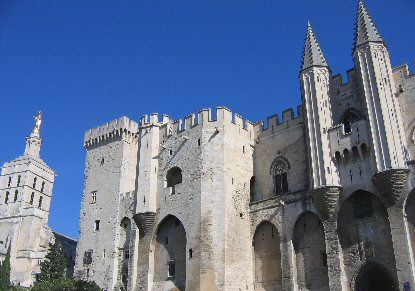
(320, 200)
(26, 185)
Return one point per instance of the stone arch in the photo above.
(310, 253)
(410, 220)
(364, 232)
(374, 276)
(169, 267)
(267, 257)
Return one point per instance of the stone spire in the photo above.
(312, 54)
(33, 142)
(365, 30)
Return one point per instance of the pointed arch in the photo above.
(310, 253)
(364, 232)
(267, 257)
(169, 254)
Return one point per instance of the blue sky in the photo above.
(84, 63)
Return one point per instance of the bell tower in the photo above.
(26, 185)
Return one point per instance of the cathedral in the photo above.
(318, 199)
(26, 185)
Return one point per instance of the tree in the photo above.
(55, 265)
(5, 273)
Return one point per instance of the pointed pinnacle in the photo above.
(365, 30)
(312, 54)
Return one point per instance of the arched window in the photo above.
(355, 153)
(349, 116)
(338, 157)
(346, 155)
(365, 151)
(279, 170)
(173, 178)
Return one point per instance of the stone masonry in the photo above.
(318, 200)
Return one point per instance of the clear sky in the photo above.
(84, 63)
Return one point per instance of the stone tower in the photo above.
(110, 177)
(315, 79)
(26, 192)
(381, 105)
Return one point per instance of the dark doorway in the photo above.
(374, 278)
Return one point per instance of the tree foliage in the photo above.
(54, 265)
(5, 273)
(52, 276)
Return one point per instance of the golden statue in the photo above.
(38, 122)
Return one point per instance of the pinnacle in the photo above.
(365, 30)
(312, 55)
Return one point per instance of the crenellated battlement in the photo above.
(338, 83)
(221, 117)
(275, 124)
(122, 127)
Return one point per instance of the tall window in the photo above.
(6, 199)
(32, 197)
(34, 183)
(40, 202)
(173, 178)
(16, 193)
(97, 225)
(93, 197)
(172, 269)
(18, 180)
(349, 116)
(279, 170)
(43, 187)
(9, 182)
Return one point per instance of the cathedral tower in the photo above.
(26, 192)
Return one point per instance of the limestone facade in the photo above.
(317, 200)
(26, 185)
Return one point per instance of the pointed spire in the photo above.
(312, 54)
(365, 30)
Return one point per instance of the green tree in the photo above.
(54, 265)
(5, 273)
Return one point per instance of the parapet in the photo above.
(275, 124)
(122, 127)
(220, 117)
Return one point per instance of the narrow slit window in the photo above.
(16, 193)
(32, 198)
(40, 202)
(6, 199)
(97, 225)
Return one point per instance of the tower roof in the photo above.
(365, 30)
(312, 54)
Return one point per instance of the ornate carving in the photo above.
(390, 184)
(326, 200)
(279, 165)
(144, 222)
